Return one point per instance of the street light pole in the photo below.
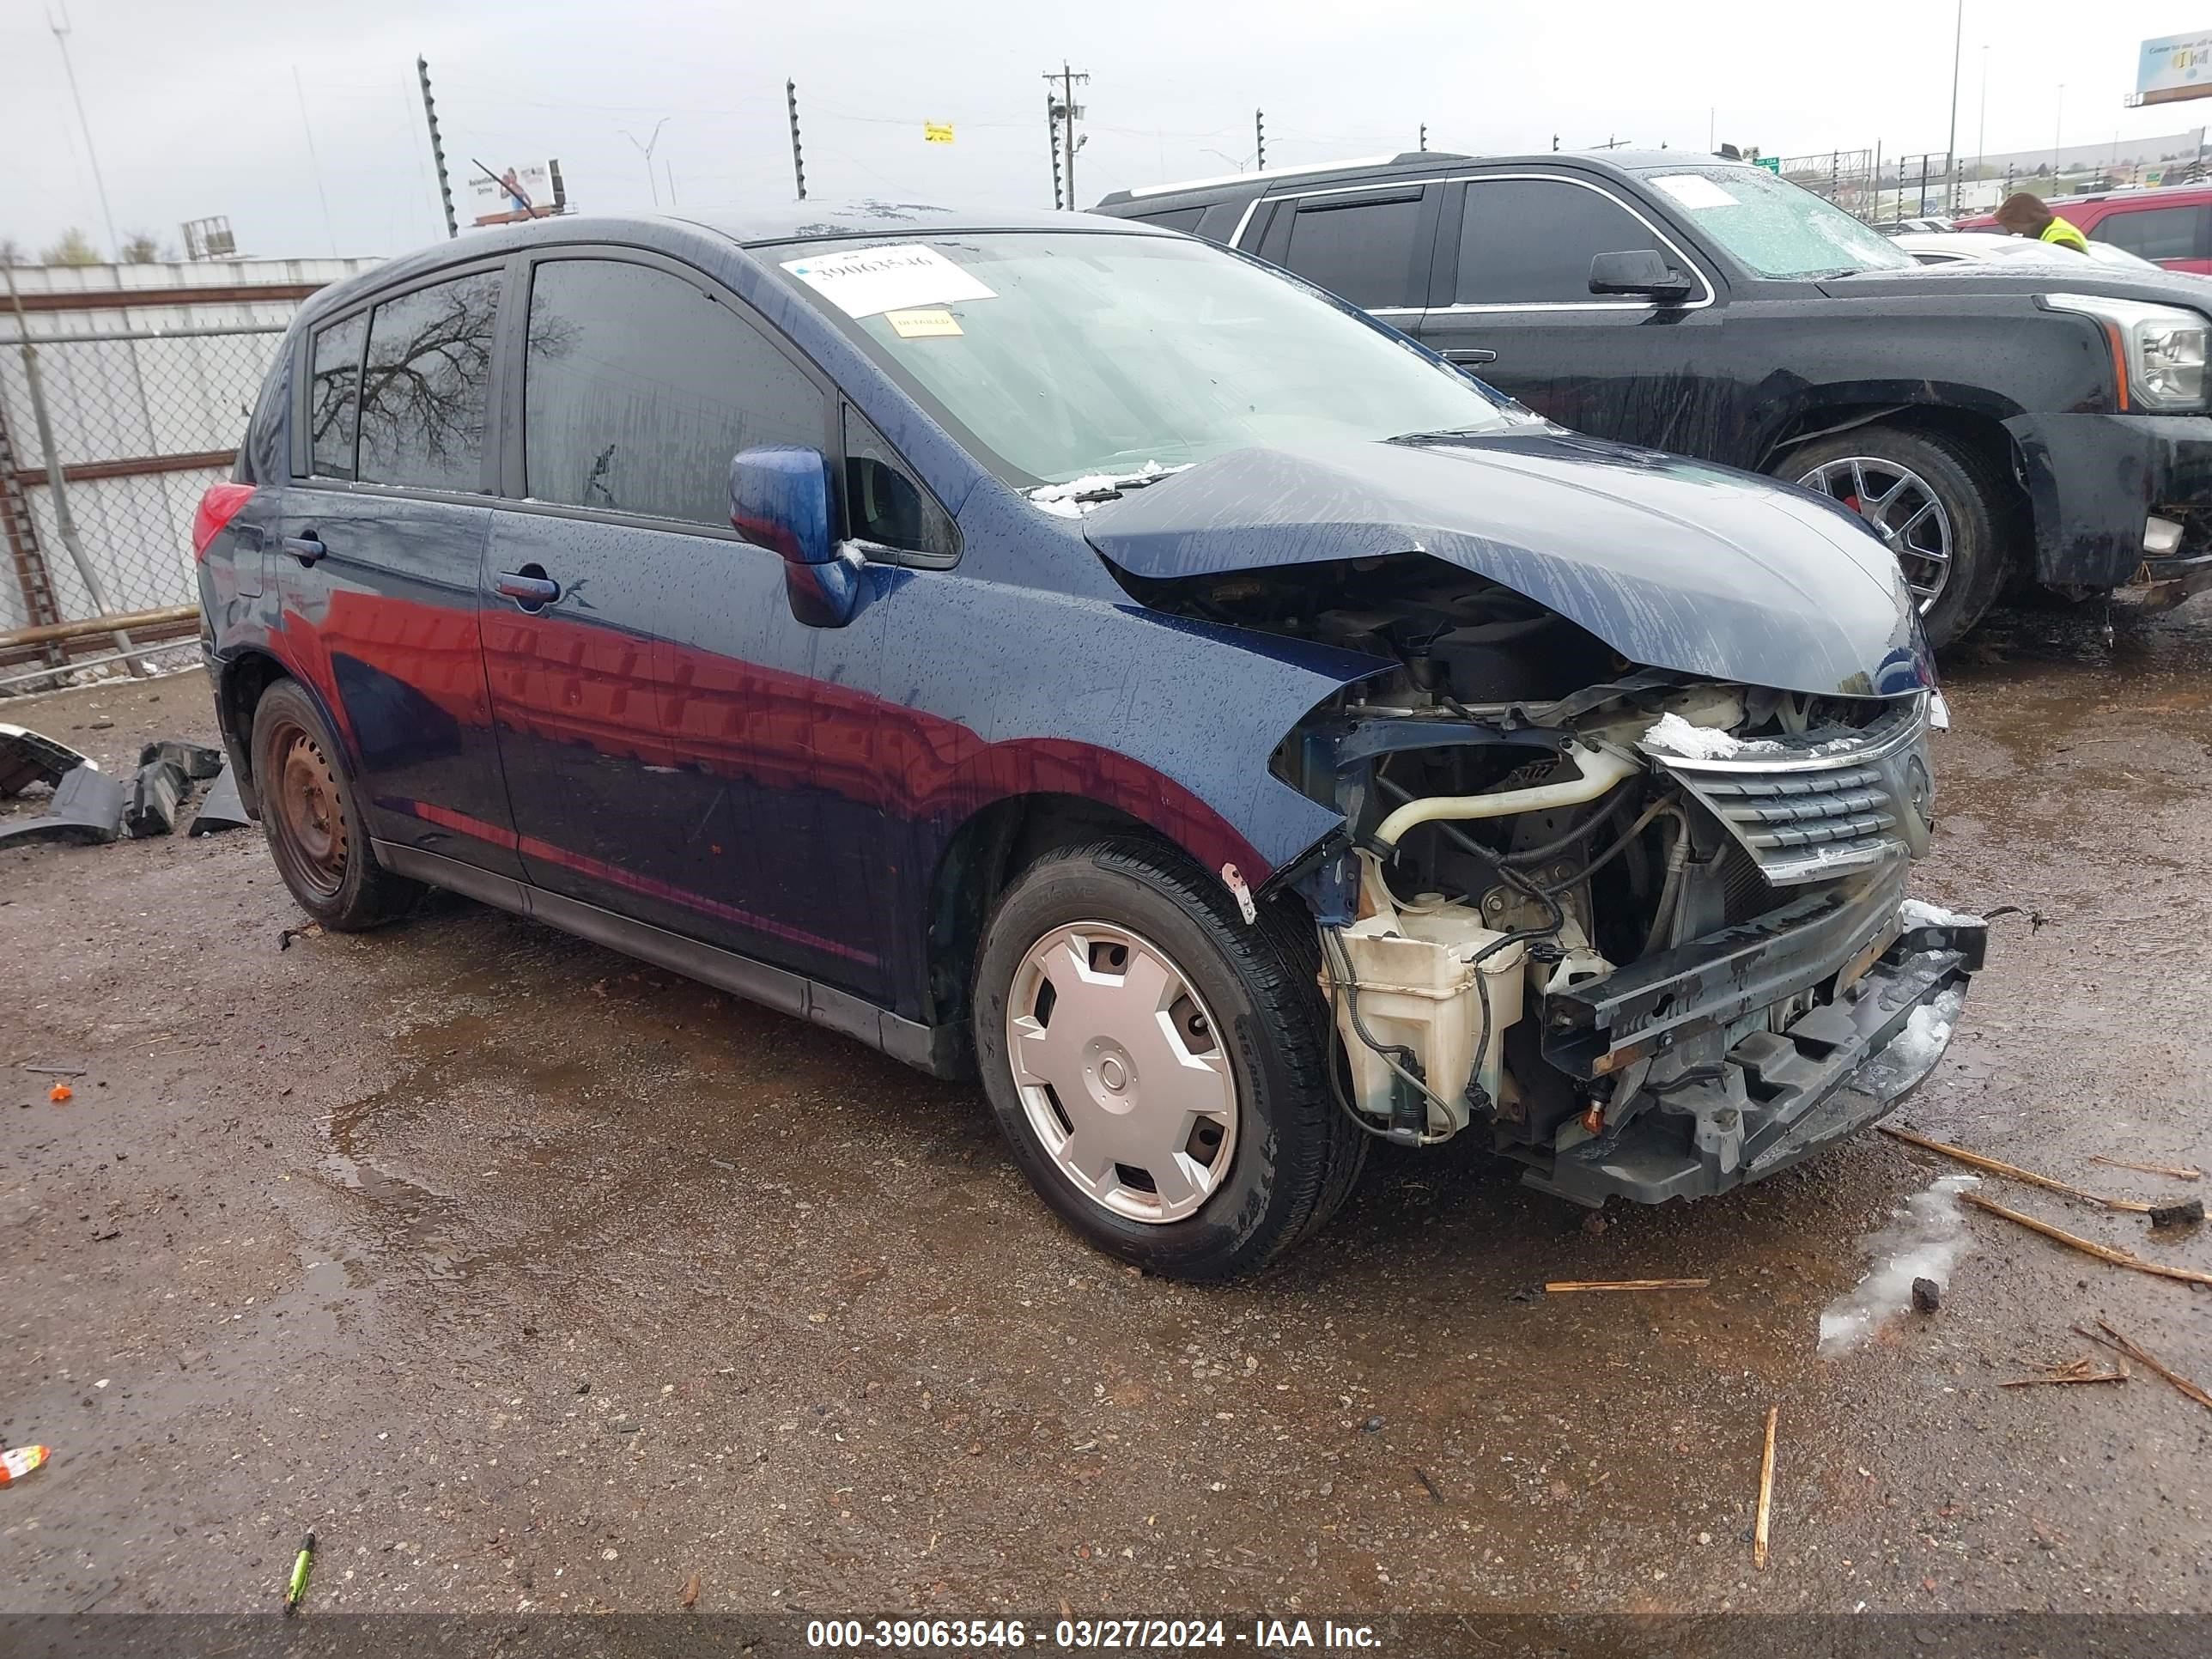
(1982, 130)
(1951, 146)
(61, 39)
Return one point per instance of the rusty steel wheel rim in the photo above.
(309, 812)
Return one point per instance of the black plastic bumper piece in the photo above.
(1782, 1096)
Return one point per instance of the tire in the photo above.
(311, 822)
(1253, 1177)
(1976, 511)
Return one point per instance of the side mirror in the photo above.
(1640, 272)
(780, 499)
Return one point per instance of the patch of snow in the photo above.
(1925, 1240)
(1913, 1052)
(1063, 499)
(1677, 736)
(1918, 913)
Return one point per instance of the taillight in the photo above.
(216, 508)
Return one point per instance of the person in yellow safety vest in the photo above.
(2025, 215)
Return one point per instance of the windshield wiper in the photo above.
(1069, 499)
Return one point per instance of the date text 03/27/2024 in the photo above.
(1264, 1635)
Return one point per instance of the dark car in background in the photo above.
(1045, 646)
(1992, 424)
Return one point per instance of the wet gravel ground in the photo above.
(530, 1277)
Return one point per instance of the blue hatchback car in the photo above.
(1057, 649)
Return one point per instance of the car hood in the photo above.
(2023, 277)
(1674, 563)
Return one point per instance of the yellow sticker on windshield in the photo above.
(922, 324)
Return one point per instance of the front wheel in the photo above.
(1157, 1064)
(1937, 505)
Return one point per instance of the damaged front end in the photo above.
(1645, 930)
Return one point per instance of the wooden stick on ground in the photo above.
(1555, 1286)
(2081, 1370)
(2089, 1246)
(1766, 1493)
(1980, 1161)
(2149, 1361)
(2178, 1171)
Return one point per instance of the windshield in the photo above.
(1772, 228)
(1064, 356)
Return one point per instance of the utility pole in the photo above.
(1260, 138)
(1067, 113)
(61, 39)
(1951, 146)
(1981, 132)
(646, 149)
(1052, 134)
(797, 162)
(437, 148)
(1425, 135)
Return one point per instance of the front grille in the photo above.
(1811, 807)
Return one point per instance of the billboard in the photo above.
(2176, 67)
(531, 190)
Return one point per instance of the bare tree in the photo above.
(11, 252)
(139, 248)
(75, 248)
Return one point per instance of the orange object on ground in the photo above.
(60, 1092)
(19, 1461)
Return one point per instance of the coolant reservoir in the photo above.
(1413, 968)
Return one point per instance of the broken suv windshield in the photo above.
(1773, 227)
(1061, 355)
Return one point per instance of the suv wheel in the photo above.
(1158, 1065)
(1938, 505)
(313, 827)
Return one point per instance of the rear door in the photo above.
(2178, 236)
(659, 708)
(1511, 302)
(376, 552)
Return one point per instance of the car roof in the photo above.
(1411, 162)
(2134, 195)
(770, 223)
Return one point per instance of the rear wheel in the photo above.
(1938, 505)
(311, 822)
(1157, 1064)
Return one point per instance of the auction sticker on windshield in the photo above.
(870, 280)
(1694, 190)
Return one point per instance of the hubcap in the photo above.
(306, 802)
(1121, 1071)
(1903, 509)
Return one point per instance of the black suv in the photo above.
(2042, 420)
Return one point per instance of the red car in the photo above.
(2169, 227)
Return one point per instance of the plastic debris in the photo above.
(220, 808)
(295, 1588)
(19, 1461)
(60, 1092)
(157, 793)
(195, 760)
(30, 757)
(88, 806)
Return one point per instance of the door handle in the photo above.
(529, 588)
(1471, 354)
(306, 548)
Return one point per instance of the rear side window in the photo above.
(424, 385)
(1530, 241)
(2166, 233)
(638, 388)
(1360, 251)
(334, 398)
(1183, 219)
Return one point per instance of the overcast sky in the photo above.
(193, 110)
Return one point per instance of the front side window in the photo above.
(1358, 251)
(423, 387)
(334, 398)
(883, 503)
(639, 386)
(1058, 354)
(1769, 226)
(2154, 233)
(1530, 241)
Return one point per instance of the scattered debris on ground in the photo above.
(86, 806)
(155, 794)
(57, 1071)
(2117, 1256)
(18, 1460)
(2187, 1213)
(1561, 1286)
(60, 1092)
(2149, 1361)
(91, 806)
(690, 1597)
(197, 760)
(222, 807)
(286, 935)
(1997, 1166)
(295, 1588)
(1927, 1296)
(30, 757)
(2178, 1171)
(1925, 1240)
(2080, 1368)
(1759, 1536)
